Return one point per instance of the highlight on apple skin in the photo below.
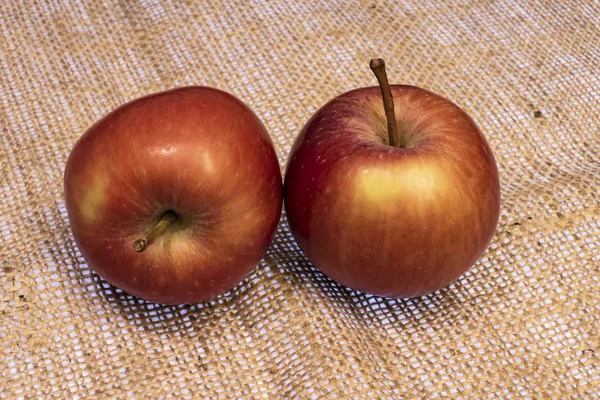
(174, 197)
(400, 220)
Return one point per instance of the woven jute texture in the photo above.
(524, 322)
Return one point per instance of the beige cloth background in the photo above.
(523, 323)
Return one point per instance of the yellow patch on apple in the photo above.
(93, 197)
(390, 184)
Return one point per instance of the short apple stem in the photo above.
(165, 221)
(378, 67)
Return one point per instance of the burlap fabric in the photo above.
(523, 323)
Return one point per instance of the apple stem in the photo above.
(378, 67)
(166, 220)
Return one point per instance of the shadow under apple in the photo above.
(286, 257)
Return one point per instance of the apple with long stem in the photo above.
(174, 197)
(395, 198)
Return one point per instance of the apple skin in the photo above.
(390, 221)
(197, 151)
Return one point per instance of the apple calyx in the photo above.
(378, 67)
(165, 221)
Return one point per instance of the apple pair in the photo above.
(175, 197)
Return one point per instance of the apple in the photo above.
(174, 197)
(395, 198)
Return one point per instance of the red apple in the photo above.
(399, 220)
(174, 197)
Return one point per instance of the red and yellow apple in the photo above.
(174, 197)
(395, 220)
